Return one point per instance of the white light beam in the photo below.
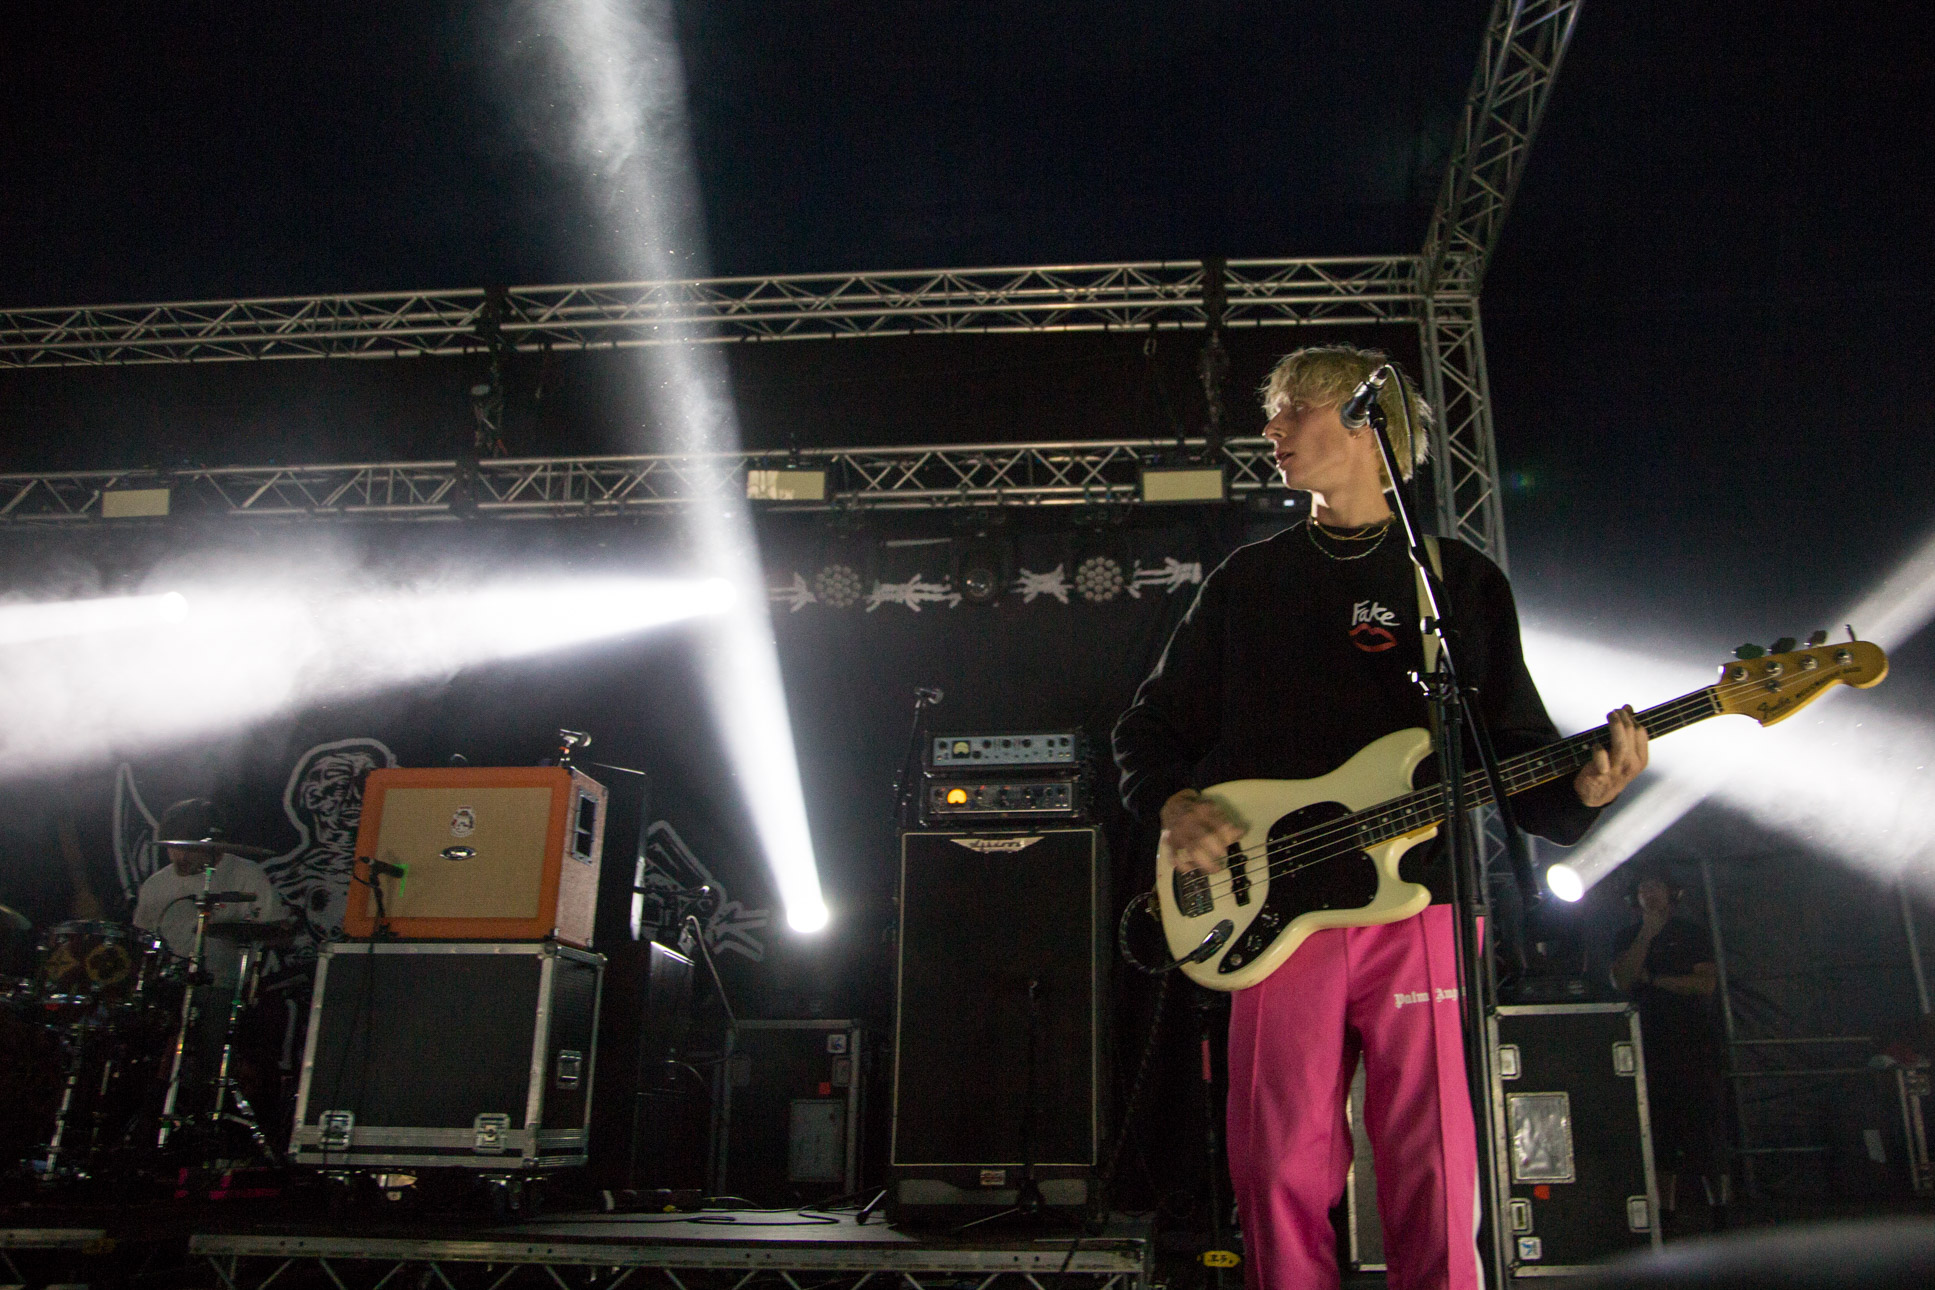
(255, 646)
(23, 623)
(618, 63)
(1854, 782)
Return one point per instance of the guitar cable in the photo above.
(1146, 903)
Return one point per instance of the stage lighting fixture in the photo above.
(1563, 881)
(134, 503)
(48, 620)
(1183, 484)
(847, 562)
(838, 586)
(1100, 579)
(983, 568)
(1277, 501)
(786, 485)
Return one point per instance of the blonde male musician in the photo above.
(1297, 653)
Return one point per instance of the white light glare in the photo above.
(808, 919)
(258, 645)
(1564, 882)
(21, 624)
(1850, 778)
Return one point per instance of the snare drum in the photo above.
(90, 963)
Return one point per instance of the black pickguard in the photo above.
(1192, 889)
(1332, 872)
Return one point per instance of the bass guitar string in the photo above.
(1428, 807)
(1432, 798)
(1427, 803)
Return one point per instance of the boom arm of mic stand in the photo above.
(1515, 845)
(1468, 891)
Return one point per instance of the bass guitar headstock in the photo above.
(1772, 686)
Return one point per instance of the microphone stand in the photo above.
(1452, 714)
(189, 1007)
(906, 787)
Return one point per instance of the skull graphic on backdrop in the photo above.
(324, 801)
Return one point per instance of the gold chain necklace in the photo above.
(1383, 531)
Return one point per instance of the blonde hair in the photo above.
(1322, 375)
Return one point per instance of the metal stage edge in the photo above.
(56, 1240)
(621, 1251)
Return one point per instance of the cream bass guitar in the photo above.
(1324, 852)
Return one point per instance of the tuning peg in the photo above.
(1748, 651)
(1785, 645)
(1817, 638)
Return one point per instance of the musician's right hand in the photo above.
(1197, 832)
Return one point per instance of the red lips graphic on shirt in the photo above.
(1371, 638)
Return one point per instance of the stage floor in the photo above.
(727, 1247)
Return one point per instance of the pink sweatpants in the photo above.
(1391, 993)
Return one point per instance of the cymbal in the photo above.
(12, 920)
(219, 846)
(254, 933)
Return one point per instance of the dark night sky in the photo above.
(1707, 324)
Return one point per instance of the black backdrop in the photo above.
(1043, 656)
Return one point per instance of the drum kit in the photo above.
(147, 1039)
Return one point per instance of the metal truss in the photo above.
(353, 1263)
(52, 1255)
(1052, 298)
(917, 478)
(1464, 469)
(1525, 41)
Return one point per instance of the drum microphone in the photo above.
(929, 695)
(231, 898)
(384, 869)
(1356, 412)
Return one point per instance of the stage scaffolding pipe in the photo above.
(1911, 1086)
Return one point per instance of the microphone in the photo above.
(384, 869)
(928, 694)
(1356, 412)
(231, 898)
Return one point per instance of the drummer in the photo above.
(166, 905)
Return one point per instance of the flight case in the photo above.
(1575, 1147)
(461, 1055)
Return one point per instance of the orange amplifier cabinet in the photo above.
(499, 854)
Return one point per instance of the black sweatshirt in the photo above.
(1290, 661)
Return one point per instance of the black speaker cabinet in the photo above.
(998, 1041)
(650, 1123)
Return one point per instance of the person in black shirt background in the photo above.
(1667, 965)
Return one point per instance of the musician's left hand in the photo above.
(1610, 770)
